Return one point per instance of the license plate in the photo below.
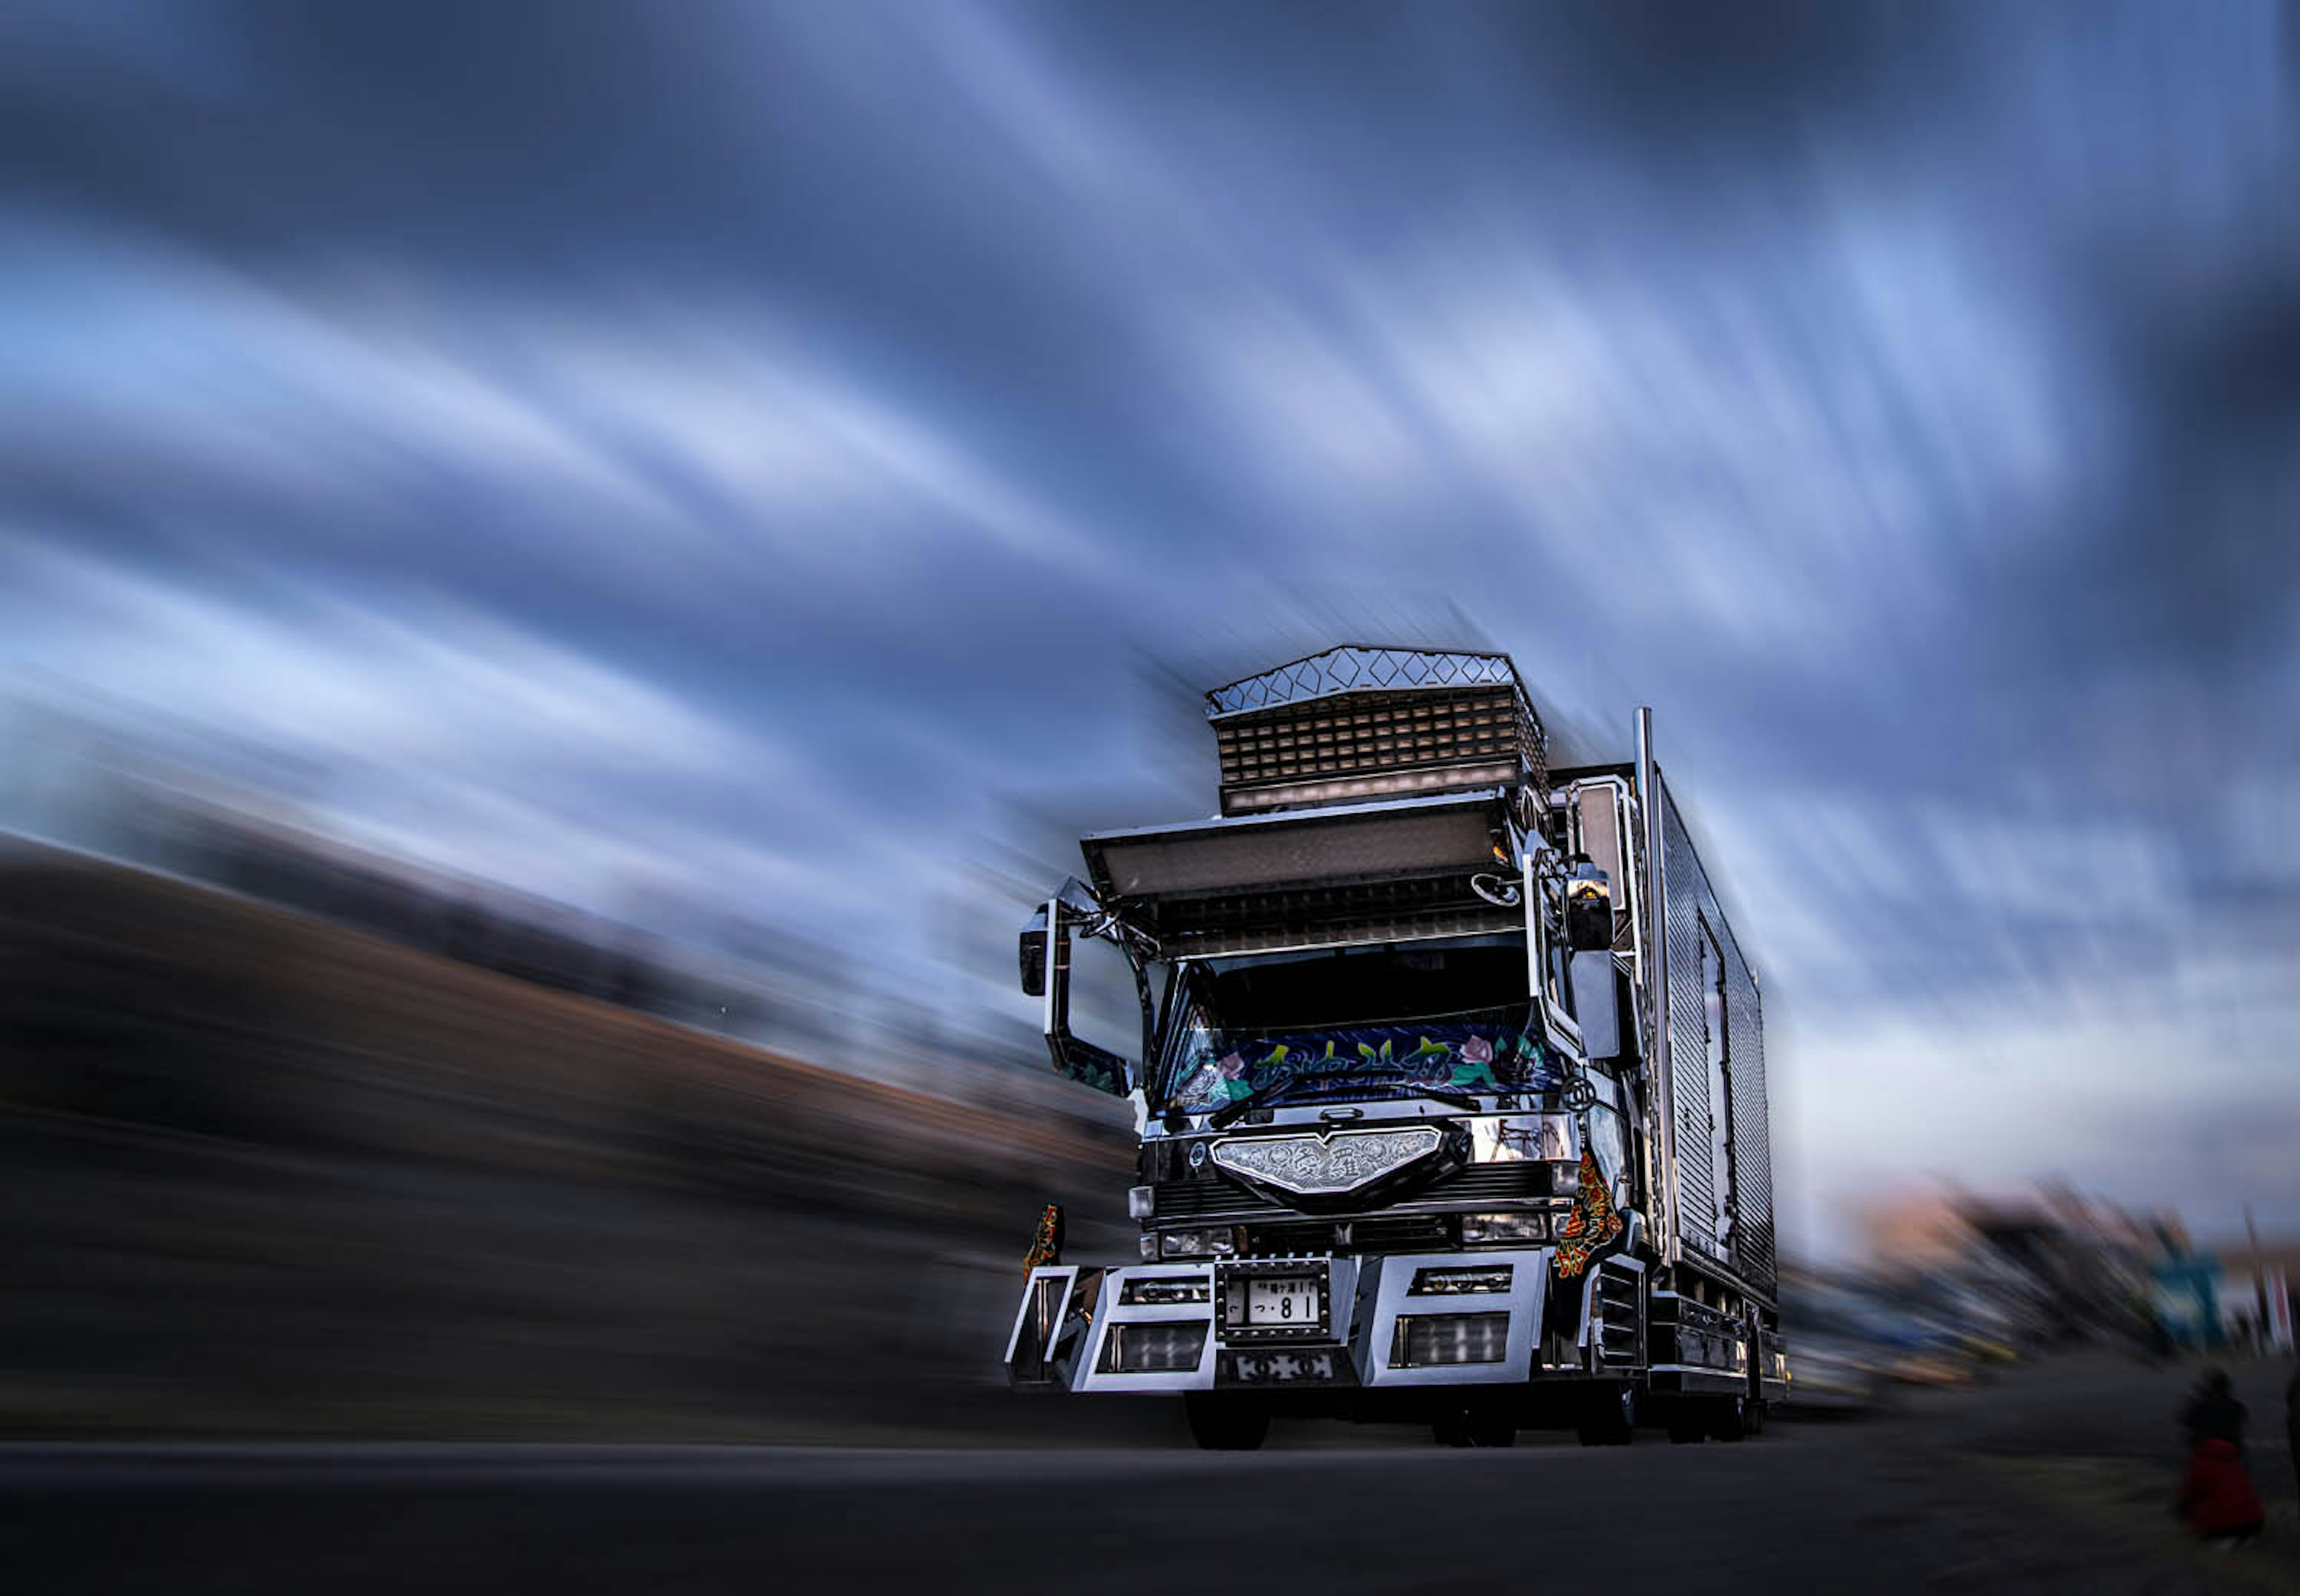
(1287, 1299)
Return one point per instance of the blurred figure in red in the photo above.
(2216, 1495)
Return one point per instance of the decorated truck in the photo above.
(1451, 1082)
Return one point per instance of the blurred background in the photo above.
(567, 573)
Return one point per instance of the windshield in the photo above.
(1350, 1024)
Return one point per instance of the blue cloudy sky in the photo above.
(806, 455)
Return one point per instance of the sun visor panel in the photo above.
(1399, 870)
(1297, 851)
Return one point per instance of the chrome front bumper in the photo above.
(1075, 1331)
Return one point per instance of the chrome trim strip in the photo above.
(1657, 988)
(1062, 1308)
(1054, 932)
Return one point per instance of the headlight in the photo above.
(1487, 1229)
(1197, 1243)
(1141, 1201)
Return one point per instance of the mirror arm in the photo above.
(1136, 962)
(1079, 1059)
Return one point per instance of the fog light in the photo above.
(1162, 1348)
(1485, 1229)
(1197, 1243)
(1459, 1282)
(1164, 1291)
(1438, 1340)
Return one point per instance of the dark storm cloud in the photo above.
(788, 454)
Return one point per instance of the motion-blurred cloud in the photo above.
(796, 453)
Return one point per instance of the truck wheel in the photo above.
(1611, 1418)
(1729, 1418)
(1222, 1422)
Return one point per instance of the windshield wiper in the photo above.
(1263, 1095)
(1447, 1094)
(1229, 1112)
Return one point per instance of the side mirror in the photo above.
(1031, 953)
(1588, 908)
(1043, 953)
(1079, 905)
(1597, 1004)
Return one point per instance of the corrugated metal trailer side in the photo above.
(1708, 1051)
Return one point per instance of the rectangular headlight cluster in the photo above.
(1439, 1340)
(1485, 1229)
(1155, 1349)
(1459, 1282)
(1198, 1244)
(1160, 1291)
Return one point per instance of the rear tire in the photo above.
(1222, 1422)
(1729, 1418)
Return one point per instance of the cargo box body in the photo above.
(1709, 1041)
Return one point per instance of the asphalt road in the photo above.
(1931, 1500)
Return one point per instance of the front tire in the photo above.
(1221, 1421)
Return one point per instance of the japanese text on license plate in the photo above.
(1288, 1300)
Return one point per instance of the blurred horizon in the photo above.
(770, 476)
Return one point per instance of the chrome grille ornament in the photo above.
(1313, 1166)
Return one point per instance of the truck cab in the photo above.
(1451, 1083)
